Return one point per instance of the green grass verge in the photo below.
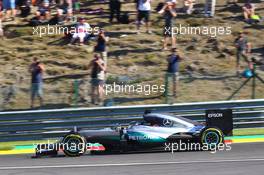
(248, 131)
(11, 145)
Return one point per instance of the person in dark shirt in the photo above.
(173, 69)
(243, 50)
(101, 45)
(97, 79)
(36, 69)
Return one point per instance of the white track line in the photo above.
(129, 164)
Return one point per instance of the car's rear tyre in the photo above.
(74, 145)
(212, 137)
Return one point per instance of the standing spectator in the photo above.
(115, 8)
(243, 50)
(166, 4)
(10, 7)
(169, 11)
(173, 69)
(98, 77)
(81, 31)
(209, 8)
(248, 10)
(144, 9)
(101, 45)
(36, 69)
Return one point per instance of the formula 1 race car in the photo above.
(153, 133)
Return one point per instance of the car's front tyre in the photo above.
(74, 145)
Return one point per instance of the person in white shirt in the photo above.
(144, 9)
(81, 31)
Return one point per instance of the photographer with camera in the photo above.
(97, 79)
(36, 69)
(243, 50)
(173, 69)
(101, 45)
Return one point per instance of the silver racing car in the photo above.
(153, 133)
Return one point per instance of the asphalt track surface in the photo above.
(243, 159)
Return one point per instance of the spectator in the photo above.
(43, 12)
(166, 5)
(59, 18)
(97, 81)
(24, 7)
(76, 6)
(10, 7)
(188, 6)
(243, 50)
(65, 8)
(169, 10)
(209, 8)
(101, 45)
(144, 9)
(81, 31)
(248, 10)
(115, 8)
(36, 69)
(173, 69)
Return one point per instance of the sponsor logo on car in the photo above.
(215, 115)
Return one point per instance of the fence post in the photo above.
(76, 92)
(254, 82)
(166, 93)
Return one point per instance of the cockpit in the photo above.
(162, 120)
